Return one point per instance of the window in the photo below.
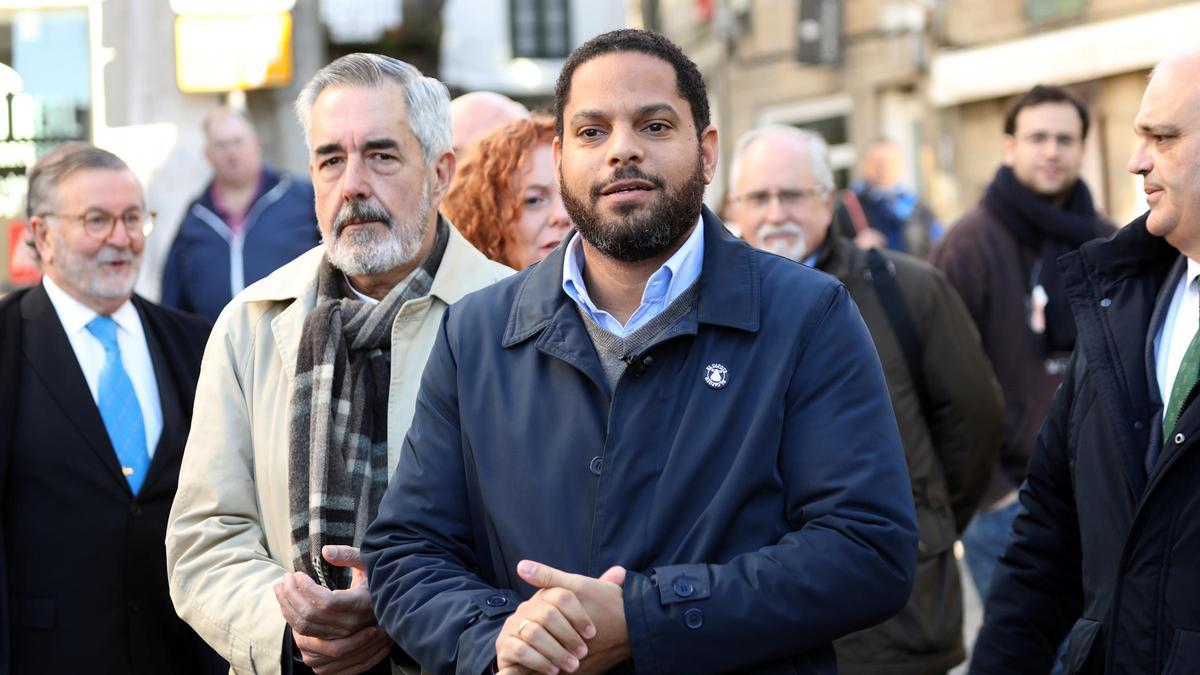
(1050, 10)
(541, 29)
(828, 116)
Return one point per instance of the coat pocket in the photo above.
(1081, 642)
(1185, 653)
(34, 613)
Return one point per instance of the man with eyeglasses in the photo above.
(96, 391)
(946, 402)
(1001, 256)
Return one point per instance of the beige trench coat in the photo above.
(228, 538)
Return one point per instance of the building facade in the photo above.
(104, 71)
(517, 47)
(933, 75)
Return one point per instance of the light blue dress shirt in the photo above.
(675, 276)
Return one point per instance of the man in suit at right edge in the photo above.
(96, 389)
(1106, 543)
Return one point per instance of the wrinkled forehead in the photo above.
(111, 190)
(348, 115)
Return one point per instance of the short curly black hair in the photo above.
(688, 80)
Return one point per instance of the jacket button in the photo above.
(136, 510)
(647, 361)
(596, 465)
(1138, 425)
(1106, 303)
(693, 618)
(1179, 439)
(496, 600)
(683, 588)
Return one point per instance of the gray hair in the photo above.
(427, 100)
(66, 159)
(48, 172)
(818, 151)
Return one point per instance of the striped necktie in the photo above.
(119, 407)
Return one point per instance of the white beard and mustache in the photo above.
(92, 275)
(366, 251)
(773, 238)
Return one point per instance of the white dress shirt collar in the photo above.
(75, 316)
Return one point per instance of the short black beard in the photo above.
(638, 237)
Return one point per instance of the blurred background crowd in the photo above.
(931, 76)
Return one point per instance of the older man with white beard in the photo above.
(947, 403)
(96, 389)
(309, 383)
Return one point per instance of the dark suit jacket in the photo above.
(83, 584)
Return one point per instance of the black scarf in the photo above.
(1053, 231)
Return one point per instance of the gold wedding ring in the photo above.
(521, 628)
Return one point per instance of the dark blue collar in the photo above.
(730, 287)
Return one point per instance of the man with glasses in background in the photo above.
(96, 389)
(1001, 256)
(947, 403)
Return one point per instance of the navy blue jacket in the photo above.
(208, 264)
(758, 520)
(1102, 549)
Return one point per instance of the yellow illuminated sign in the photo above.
(223, 52)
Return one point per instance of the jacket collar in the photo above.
(729, 293)
(1130, 252)
(297, 280)
(1114, 288)
(268, 179)
(296, 283)
(837, 254)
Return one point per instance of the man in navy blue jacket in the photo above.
(658, 449)
(249, 221)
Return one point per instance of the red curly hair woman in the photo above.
(504, 199)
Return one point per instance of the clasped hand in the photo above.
(335, 631)
(573, 623)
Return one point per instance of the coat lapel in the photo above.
(52, 359)
(1113, 286)
(174, 431)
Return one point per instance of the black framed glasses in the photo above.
(100, 224)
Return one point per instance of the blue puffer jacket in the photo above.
(208, 264)
(761, 513)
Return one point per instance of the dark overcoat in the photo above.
(83, 572)
(1103, 549)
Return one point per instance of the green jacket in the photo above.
(951, 450)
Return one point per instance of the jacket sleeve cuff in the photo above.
(478, 644)
(664, 615)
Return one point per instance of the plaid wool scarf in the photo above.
(337, 460)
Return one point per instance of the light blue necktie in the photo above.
(119, 406)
